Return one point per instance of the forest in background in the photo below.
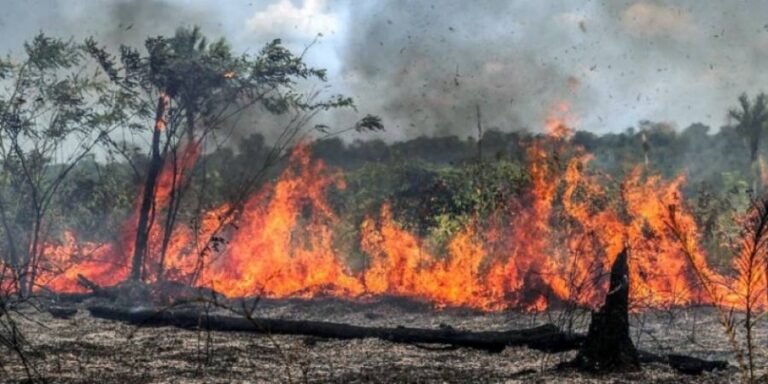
(434, 183)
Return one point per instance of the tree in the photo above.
(751, 118)
(52, 113)
(184, 88)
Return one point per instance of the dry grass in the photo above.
(84, 349)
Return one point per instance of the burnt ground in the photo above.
(84, 349)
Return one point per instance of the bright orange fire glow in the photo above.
(555, 244)
(559, 121)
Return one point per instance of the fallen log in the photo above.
(547, 338)
(681, 363)
(97, 290)
(62, 312)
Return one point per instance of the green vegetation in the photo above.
(435, 184)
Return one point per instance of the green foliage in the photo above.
(47, 53)
(486, 187)
(432, 201)
(183, 89)
(207, 80)
(52, 113)
(96, 200)
(751, 118)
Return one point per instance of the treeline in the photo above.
(718, 158)
(432, 182)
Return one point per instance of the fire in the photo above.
(284, 244)
(554, 243)
(108, 263)
(559, 120)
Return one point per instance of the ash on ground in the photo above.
(83, 349)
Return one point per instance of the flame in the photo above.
(284, 245)
(555, 242)
(108, 263)
(559, 120)
(164, 102)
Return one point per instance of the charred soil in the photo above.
(84, 349)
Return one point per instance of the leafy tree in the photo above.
(751, 118)
(52, 113)
(184, 88)
(96, 199)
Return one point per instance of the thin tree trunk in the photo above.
(754, 158)
(33, 255)
(479, 134)
(176, 190)
(12, 253)
(148, 198)
(170, 216)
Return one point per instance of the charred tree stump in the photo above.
(608, 346)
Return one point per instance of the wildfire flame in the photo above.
(285, 243)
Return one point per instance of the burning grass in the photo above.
(554, 242)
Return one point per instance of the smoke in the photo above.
(130, 22)
(686, 62)
(424, 66)
(111, 22)
(431, 64)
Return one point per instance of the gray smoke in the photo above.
(423, 66)
(427, 65)
(111, 22)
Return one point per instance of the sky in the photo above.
(425, 66)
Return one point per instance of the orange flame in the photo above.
(555, 242)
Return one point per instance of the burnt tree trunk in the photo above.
(608, 346)
(176, 192)
(546, 337)
(148, 198)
